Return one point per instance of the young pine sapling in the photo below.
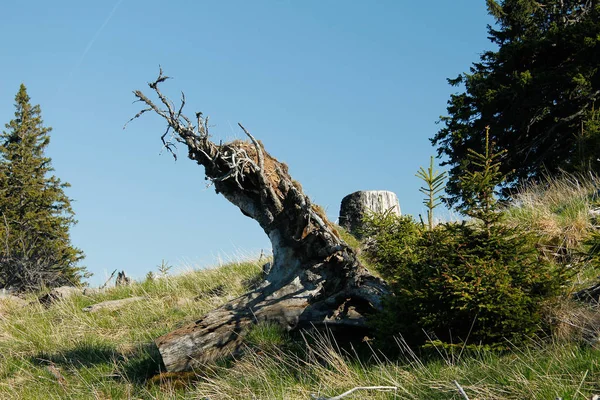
(478, 184)
(434, 181)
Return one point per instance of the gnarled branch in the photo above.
(315, 278)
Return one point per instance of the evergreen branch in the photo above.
(434, 181)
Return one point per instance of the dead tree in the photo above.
(122, 279)
(315, 278)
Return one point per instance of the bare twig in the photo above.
(349, 392)
(206, 134)
(145, 110)
(108, 280)
(578, 391)
(461, 390)
(261, 168)
(259, 152)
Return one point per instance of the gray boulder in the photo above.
(60, 293)
(12, 299)
(356, 205)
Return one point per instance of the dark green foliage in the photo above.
(459, 282)
(35, 213)
(481, 175)
(588, 143)
(592, 243)
(479, 282)
(593, 248)
(538, 90)
(392, 241)
(434, 181)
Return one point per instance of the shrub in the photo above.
(456, 283)
(391, 241)
(480, 281)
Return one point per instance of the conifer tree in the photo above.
(434, 181)
(35, 213)
(480, 178)
(539, 89)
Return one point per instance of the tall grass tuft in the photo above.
(557, 210)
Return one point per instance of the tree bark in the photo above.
(315, 279)
(111, 305)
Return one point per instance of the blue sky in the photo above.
(347, 93)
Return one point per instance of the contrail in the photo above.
(89, 45)
(98, 32)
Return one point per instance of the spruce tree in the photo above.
(477, 185)
(35, 213)
(434, 181)
(470, 283)
(539, 90)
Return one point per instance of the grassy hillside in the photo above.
(62, 352)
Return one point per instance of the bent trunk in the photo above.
(315, 278)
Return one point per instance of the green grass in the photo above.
(108, 354)
(61, 352)
(267, 336)
(557, 210)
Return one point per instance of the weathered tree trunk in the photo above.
(357, 205)
(315, 278)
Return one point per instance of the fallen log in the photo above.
(589, 295)
(315, 278)
(112, 305)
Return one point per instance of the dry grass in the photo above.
(63, 353)
(109, 353)
(575, 322)
(557, 209)
(558, 212)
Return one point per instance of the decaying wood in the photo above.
(108, 280)
(112, 305)
(349, 392)
(315, 279)
(589, 295)
(122, 279)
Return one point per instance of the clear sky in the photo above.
(347, 93)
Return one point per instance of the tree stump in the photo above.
(315, 278)
(356, 205)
